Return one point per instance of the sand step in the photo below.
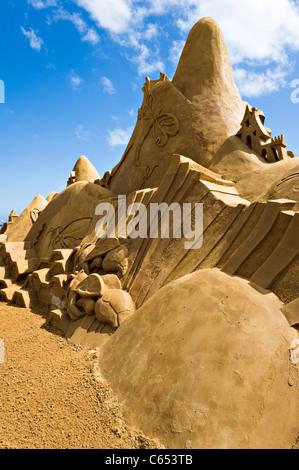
(43, 263)
(5, 282)
(20, 269)
(9, 247)
(41, 277)
(56, 285)
(24, 298)
(7, 293)
(40, 283)
(58, 267)
(59, 319)
(62, 254)
(15, 256)
(4, 272)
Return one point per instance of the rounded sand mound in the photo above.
(205, 364)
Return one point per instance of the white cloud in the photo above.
(119, 137)
(147, 60)
(82, 133)
(35, 41)
(114, 15)
(145, 65)
(40, 4)
(76, 80)
(146, 57)
(87, 34)
(91, 36)
(108, 86)
(251, 83)
(150, 32)
(75, 18)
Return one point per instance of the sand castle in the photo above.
(195, 342)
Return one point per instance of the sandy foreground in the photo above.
(49, 396)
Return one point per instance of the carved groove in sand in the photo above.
(163, 125)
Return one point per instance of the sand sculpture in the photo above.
(259, 138)
(195, 342)
(11, 219)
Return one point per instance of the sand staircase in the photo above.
(17, 260)
(45, 286)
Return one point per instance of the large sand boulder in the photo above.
(205, 364)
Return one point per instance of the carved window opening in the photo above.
(262, 119)
(249, 142)
(275, 154)
(264, 154)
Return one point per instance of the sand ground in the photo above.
(49, 396)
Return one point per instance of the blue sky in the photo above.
(74, 69)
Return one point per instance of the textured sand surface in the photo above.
(49, 397)
(205, 363)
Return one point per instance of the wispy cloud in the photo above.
(91, 36)
(252, 83)
(40, 4)
(119, 137)
(35, 41)
(82, 133)
(124, 19)
(147, 60)
(114, 15)
(150, 32)
(76, 80)
(87, 33)
(108, 86)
